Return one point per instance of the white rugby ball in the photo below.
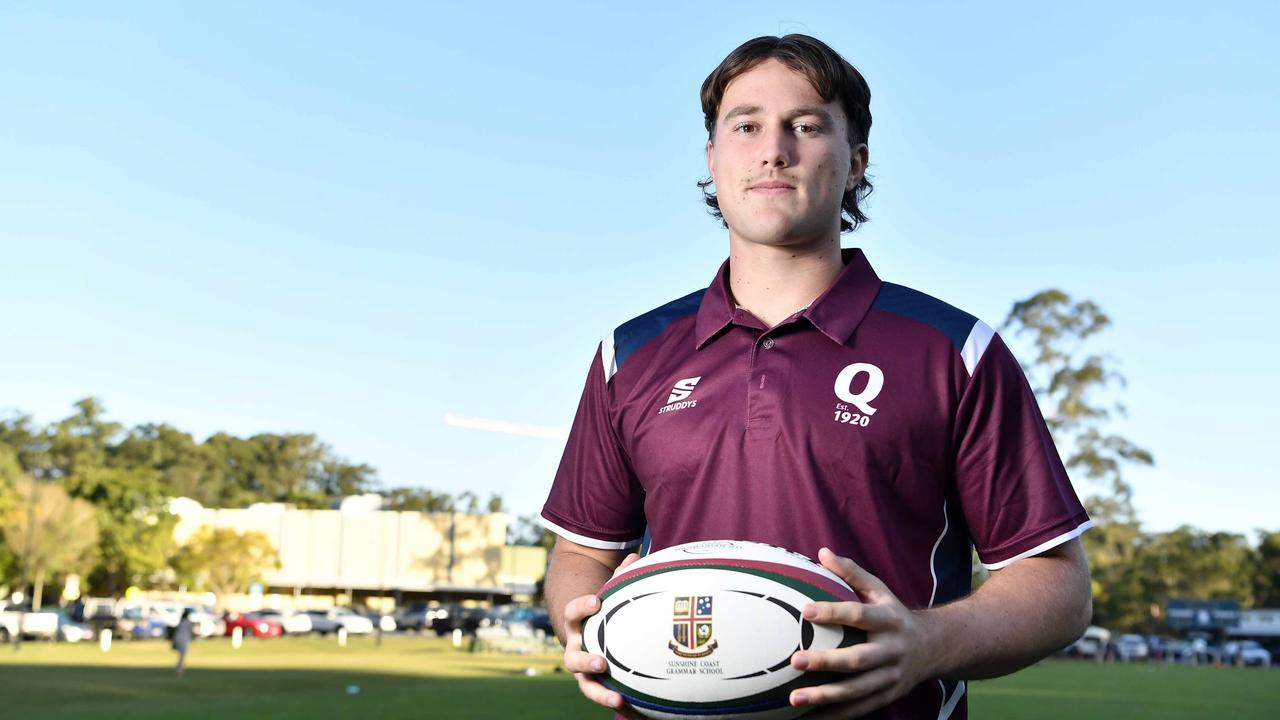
(707, 630)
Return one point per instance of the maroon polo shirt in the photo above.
(879, 421)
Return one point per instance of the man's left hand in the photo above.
(897, 656)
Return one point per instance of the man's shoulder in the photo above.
(635, 333)
(969, 335)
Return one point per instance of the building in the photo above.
(362, 553)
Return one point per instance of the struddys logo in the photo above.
(691, 627)
(678, 399)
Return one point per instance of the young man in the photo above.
(801, 401)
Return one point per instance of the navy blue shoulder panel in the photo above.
(637, 331)
(953, 322)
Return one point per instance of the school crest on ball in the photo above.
(691, 627)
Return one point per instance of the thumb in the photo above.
(869, 587)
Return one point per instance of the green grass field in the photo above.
(412, 677)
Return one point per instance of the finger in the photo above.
(622, 566)
(867, 585)
(597, 693)
(847, 690)
(581, 608)
(577, 661)
(859, 615)
(858, 658)
(856, 709)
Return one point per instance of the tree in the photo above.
(418, 499)
(183, 467)
(527, 530)
(1193, 563)
(81, 441)
(1265, 570)
(1067, 382)
(224, 561)
(10, 474)
(51, 531)
(136, 528)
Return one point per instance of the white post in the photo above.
(457, 638)
(342, 637)
(237, 637)
(104, 639)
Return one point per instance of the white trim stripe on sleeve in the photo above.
(946, 523)
(1069, 535)
(607, 358)
(979, 338)
(950, 705)
(589, 541)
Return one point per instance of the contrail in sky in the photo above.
(504, 426)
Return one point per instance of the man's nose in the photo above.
(776, 149)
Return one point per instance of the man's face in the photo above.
(780, 158)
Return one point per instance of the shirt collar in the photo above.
(836, 313)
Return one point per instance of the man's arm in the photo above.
(1021, 614)
(574, 576)
(574, 571)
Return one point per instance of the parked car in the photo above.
(385, 623)
(1131, 647)
(36, 625)
(321, 622)
(293, 623)
(1157, 647)
(97, 613)
(253, 624)
(1246, 652)
(203, 622)
(527, 619)
(1175, 651)
(168, 611)
(455, 617)
(70, 630)
(354, 622)
(128, 617)
(149, 628)
(417, 617)
(1091, 644)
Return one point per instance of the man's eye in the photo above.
(807, 128)
(745, 127)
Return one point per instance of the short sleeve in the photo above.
(596, 499)
(1014, 491)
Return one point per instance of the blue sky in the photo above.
(359, 222)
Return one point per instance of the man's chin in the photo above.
(780, 234)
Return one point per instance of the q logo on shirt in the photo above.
(845, 382)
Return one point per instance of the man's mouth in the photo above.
(772, 187)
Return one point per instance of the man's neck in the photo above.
(772, 283)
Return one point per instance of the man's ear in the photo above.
(711, 155)
(857, 166)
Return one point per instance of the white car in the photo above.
(293, 623)
(355, 623)
(203, 622)
(1091, 643)
(1247, 652)
(1131, 647)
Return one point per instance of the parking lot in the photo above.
(414, 676)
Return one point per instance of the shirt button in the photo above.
(768, 343)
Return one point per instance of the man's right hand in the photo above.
(585, 666)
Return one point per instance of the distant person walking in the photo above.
(182, 634)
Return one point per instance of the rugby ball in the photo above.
(707, 630)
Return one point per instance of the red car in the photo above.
(252, 625)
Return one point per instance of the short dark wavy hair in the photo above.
(831, 76)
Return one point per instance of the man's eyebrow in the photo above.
(742, 110)
(818, 112)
